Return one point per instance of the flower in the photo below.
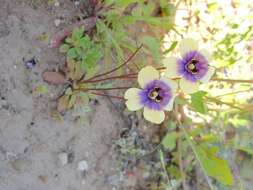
(192, 68)
(156, 95)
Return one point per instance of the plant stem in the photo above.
(197, 157)
(232, 93)
(129, 76)
(225, 103)
(180, 161)
(109, 96)
(117, 68)
(232, 80)
(177, 116)
(164, 166)
(115, 88)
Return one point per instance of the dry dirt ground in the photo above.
(31, 140)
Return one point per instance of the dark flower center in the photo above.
(155, 96)
(191, 66)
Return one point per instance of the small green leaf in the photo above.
(64, 48)
(197, 102)
(69, 40)
(72, 53)
(85, 42)
(248, 150)
(171, 125)
(72, 101)
(169, 141)
(77, 33)
(173, 46)
(40, 90)
(215, 166)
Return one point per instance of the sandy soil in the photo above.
(31, 140)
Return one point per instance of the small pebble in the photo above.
(43, 178)
(57, 4)
(63, 157)
(57, 22)
(83, 166)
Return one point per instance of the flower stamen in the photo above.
(155, 96)
(191, 66)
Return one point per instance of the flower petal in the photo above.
(153, 116)
(171, 83)
(188, 86)
(134, 104)
(147, 74)
(169, 106)
(208, 75)
(187, 45)
(171, 67)
(132, 93)
(206, 54)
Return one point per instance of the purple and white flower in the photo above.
(156, 96)
(192, 68)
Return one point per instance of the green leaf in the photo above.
(173, 46)
(69, 40)
(169, 141)
(40, 90)
(215, 166)
(77, 33)
(64, 48)
(210, 163)
(72, 101)
(197, 102)
(171, 125)
(72, 53)
(248, 150)
(125, 3)
(85, 42)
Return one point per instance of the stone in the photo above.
(57, 22)
(83, 166)
(63, 157)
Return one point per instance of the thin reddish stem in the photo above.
(114, 77)
(102, 94)
(115, 88)
(117, 68)
(127, 76)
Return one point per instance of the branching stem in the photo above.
(109, 96)
(232, 80)
(117, 68)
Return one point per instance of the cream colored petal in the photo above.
(208, 75)
(171, 83)
(171, 67)
(188, 87)
(153, 116)
(207, 55)
(187, 45)
(134, 104)
(132, 93)
(169, 106)
(147, 74)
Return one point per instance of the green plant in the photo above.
(82, 53)
(118, 24)
(196, 145)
